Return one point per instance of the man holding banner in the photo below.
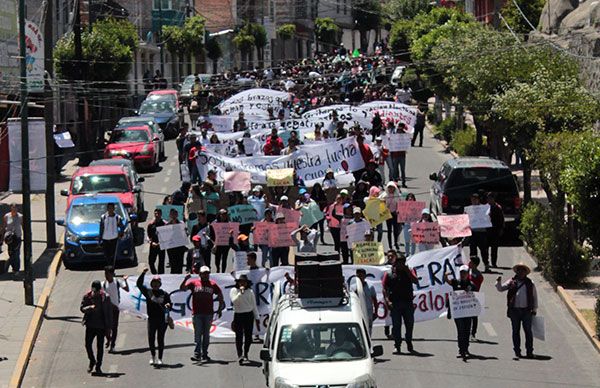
(463, 324)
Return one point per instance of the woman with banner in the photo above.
(391, 196)
(245, 314)
(463, 325)
(221, 252)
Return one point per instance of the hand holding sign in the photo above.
(222, 232)
(425, 232)
(280, 177)
(410, 211)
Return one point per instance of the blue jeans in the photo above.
(202, 324)
(14, 255)
(409, 246)
(402, 310)
(266, 255)
(398, 168)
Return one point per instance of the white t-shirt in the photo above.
(110, 228)
(112, 289)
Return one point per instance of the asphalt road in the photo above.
(566, 358)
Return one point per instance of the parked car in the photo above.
(459, 178)
(82, 232)
(157, 134)
(134, 143)
(397, 76)
(137, 180)
(165, 113)
(108, 180)
(165, 95)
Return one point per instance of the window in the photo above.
(345, 7)
(162, 4)
(338, 6)
(88, 184)
(89, 213)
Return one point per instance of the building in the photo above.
(485, 11)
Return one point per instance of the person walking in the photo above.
(111, 229)
(476, 277)
(369, 295)
(245, 315)
(391, 196)
(158, 304)
(409, 246)
(155, 250)
(419, 127)
(97, 318)
(203, 292)
(11, 231)
(522, 303)
(495, 232)
(308, 239)
(398, 160)
(176, 253)
(112, 286)
(398, 294)
(478, 238)
(463, 325)
(221, 251)
(279, 255)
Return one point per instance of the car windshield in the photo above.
(321, 342)
(89, 184)
(165, 106)
(162, 97)
(89, 213)
(484, 178)
(137, 136)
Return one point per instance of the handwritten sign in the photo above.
(222, 232)
(425, 232)
(237, 181)
(410, 211)
(368, 253)
(399, 141)
(356, 232)
(280, 177)
(311, 214)
(464, 304)
(290, 215)
(244, 214)
(167, 208)
(172, 236)
(376, 212)
(454, 226)
(261, 233)
(279, 235)
(479, 216)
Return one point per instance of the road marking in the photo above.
(111, 371)
(167, 179)
(490, 329)
(120, 344)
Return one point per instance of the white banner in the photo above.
(349, 114)
(310, 162)
(34, 43)
(479, 216)
(257, 95)
(399, 141)
(172, 236)
(37, 155)
(430, 291)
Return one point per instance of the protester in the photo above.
(175, 253)
(380, 155)
(265, 248)
(192, 151)
(398, 160)
(308, 239)
(111, 230)
(376, 126)
(203, 292)
(11, 232)
(274, 144)
(245, 314)
(243, 243)
(97, 309)
(202, 231)
(158, 304)
(194, 256)
(495, 232)
(318, 195)
(371, 175)
(522, 303)
(155, 250)
(369, 295)
(391, 196)
(279, 255)
(391, 257)
(112, 287)
(419, 126)
(478, 238)
(211, 199)
(221, 252)
(425, 217)
(398, 294)
(476, 278)
(360, 193)
(258, 200)
(180, 196)
(463, 325)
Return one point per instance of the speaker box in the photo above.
(332, 287)
(305, 256)
(327, 256)
(307, 270)
(330, 269)
(309, 288)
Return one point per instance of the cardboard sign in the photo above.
(172, 236)
(222, 232)
(479, 216)
(311, 214)
(454, 226)
(376, 212)
(399, 141)
(279, 235)
(240, 262)
(260, 234)
(166, 209)
(244, 214)
(368, 253)
(425, 232)
(356, 232)
(410, 211)
(291, 215)
(237, 181)
(465, 304)
(280, 177)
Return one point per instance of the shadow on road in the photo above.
(127, 352)
(380, 360)
(480, 357)
(416, 354)
(452, 340)
(252, 364)
(68, 318)
(169, 366)
(108, 375)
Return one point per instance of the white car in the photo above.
(324, 346)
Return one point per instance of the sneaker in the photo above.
(518, 354)
(246, 358)
(158, 362)
(206, 358)
(98, 370)
(111, 350)
(152, 361)
(473, 338)
(241, 360)
(91, 367)
(195, 357)
(409, 346)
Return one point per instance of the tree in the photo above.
(398, 41)
(185, 40)
(260, 40)
(214, 52)
(532, 9)
(286, 32)
(367, 15)
(396, 10)
(245, 43)
(327, 32)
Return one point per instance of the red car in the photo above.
(105, 179)
(135, 143)
(165, 94)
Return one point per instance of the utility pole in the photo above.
(26, 188)
(49, 120)
(161, 43)
(84, 156)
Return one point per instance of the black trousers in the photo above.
(221, 258)
(335, 234)
(176, 259)
(463, 327)
(474, 323)
(493, 239)
(109, 247)
(393, 229)
(98, 335)
(418, 132)
(345, 252)
(479, 240)
(156, 331)
(279, 256)
(152, 255)
(243, 324)
(115, 326)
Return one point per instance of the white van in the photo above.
(397, 75)
(318, 343)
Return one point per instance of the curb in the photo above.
(578, 317)
(36, 322)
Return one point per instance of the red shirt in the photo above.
(476, 279)
(365, 152)
(203, 296)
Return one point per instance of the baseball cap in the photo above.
(302, 191)
(464, 268)
(344, 192)
(378, 138)
(242, 237)
(356, 210)
(204, 269)
(196, 238)
(283, 198)
(257, 188)
(279, 215)
(223, 211)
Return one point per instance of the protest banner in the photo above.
(236, 181)
(356, 232)
(310, 162)
(345, 113)
(166, 209)
(172, 236)
(219, 148)
(368, 253)
(222, 234)
(280, 177)
(479, 216)
(240, 261)
(311, 214)
(260, 234)
(376, 212)
(279, 235)
(291, 215)
(464, 304)
(219, 123)
(392, 110)
(410, 211)
(243, 214)
(399, 141)
(454, 226)
(425, 232)
(429, 301)
(270, 97)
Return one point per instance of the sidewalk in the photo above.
(15, 316)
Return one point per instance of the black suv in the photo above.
(460, 177)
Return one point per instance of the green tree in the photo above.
(398, 41)
(286, 32)
(367, 15)
(327, 32)
(532, 9)
(260, 40)
(395, 10)
(214, 52)
(186, 40)
(245, 43)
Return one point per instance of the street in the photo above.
(566, 358)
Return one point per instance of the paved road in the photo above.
(566, 358)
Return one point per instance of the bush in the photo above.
(597, 311)
(446, 128)
(463, 142)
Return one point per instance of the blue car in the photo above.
(82, 232)
(164, 113)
